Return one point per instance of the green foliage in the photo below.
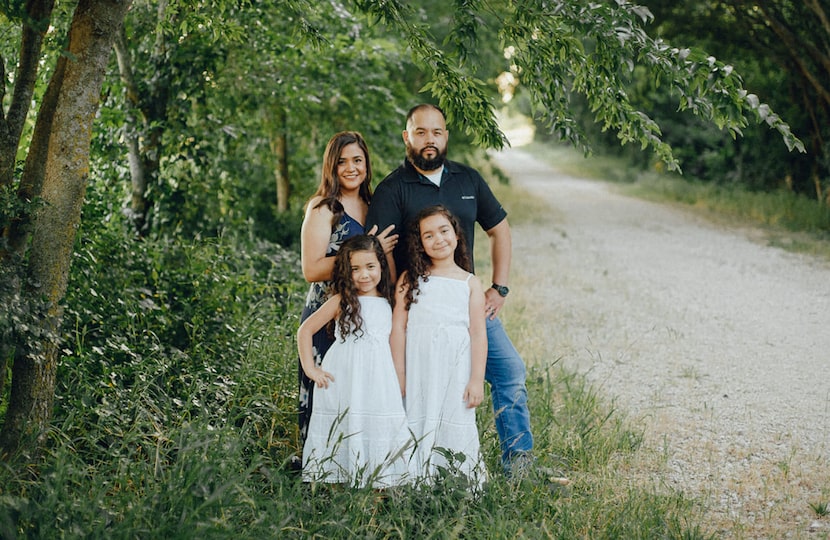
(15, 210)
(21, 312)
(565, 52)
(821, 508)
(220, 99)
(463, 98)
(216, 76)
(166, 403)
(175, 298)
(593, 50)
(232, 79)
(175, 417)
(755, 159)
(13, 9)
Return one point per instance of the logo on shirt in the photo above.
(467, 197)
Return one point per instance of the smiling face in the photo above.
(438, 237)
(351, 168)
(366, 271)
(426, 139)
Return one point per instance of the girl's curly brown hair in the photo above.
(419, 261)
(349, 321)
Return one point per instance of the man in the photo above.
(426, 178)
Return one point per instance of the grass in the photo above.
(821, 508)
(176, 419)
(199, 478)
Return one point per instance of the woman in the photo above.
(336, 212)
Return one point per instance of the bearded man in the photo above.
(427, 178)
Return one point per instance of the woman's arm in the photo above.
(314, 242)
(397, 339)
(474, 393)
(305, 346)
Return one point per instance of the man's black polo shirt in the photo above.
(405, 192)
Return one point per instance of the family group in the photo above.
(398, 335)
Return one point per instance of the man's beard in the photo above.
(423, 163)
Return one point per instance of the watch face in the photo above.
(502, 290)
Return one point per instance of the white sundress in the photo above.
(358, 432)
(438, 364)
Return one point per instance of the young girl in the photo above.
(358, 433)
(439, 333)
(337, 211)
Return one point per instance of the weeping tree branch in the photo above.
(563, 48)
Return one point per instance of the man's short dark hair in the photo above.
(421, 107)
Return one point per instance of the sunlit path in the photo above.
(716, 343)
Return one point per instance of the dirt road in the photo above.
(717, 344)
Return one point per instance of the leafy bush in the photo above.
(169, 322)
(175, 418)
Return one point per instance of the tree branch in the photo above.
(818, 9)
(34, 25)
(789, 39)
(39, 13)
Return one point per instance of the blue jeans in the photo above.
(506, 374)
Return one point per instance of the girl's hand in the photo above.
(322, 378)
(474, 394)
(387, 239)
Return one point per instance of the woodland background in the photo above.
(155, 158)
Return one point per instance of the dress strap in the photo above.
(469, 276)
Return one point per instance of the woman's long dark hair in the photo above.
(419, 261)
(350, 321)
(329, 188)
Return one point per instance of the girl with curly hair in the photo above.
(336, 212)
(358, 432)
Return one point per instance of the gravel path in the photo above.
(718, 345)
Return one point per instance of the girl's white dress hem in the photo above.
(358, 433)
(438, 366)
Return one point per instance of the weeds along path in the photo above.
(717, 345)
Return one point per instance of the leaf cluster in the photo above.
(776, 49)
(561, 49)
(228, 88)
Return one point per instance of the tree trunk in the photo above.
(11, 123)
(146, 118)
(279, 146)
(13, 233)
(65, 170)
(31, 42)
(139, 205)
